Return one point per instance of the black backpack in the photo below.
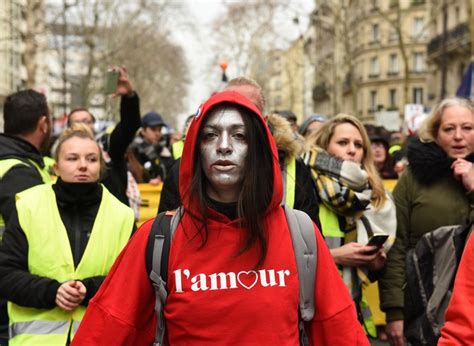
(430, 271)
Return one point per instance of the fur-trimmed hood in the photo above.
(286, 139)
(429, 162)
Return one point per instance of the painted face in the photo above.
(78, 161)
(152, 134)
(456, 132)
(224, 150)
(82, 117)
(346, 143)
(378, 149)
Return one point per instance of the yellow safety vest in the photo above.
(6, 165)
(334, 238)
(289, 181)
(50, 255)
(178, 149)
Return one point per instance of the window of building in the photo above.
(393, 36)
(277, 101)
(457, 15)
(417, 29)
(418, 95)
(277, 84)
(418, 62)
(373, 100)
(393, 64)
(375, 33)
(374, 67)
(375, 5)
(392, 95)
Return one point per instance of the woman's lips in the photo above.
(223, 165)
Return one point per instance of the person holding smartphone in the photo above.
(115, 144)
(357, 215)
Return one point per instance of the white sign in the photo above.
(388, 119)
(414, 116)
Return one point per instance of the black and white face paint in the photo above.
(224, 150)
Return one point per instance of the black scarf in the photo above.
(429, 162)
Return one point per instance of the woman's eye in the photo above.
(448, 129)
(342, 143)
(239, 136)
(210, 135)
(358, 145)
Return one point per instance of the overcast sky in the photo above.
(197, 43)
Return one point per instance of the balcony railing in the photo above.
(459, 32)
(320, 92)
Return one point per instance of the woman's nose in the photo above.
(82, 163)
(458, 133)
(224, 145)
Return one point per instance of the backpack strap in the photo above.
(162, 231)
(305, 249)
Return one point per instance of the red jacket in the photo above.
(215, 295)
(459, 326)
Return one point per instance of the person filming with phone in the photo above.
(115, 145)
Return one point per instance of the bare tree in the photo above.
(99, 33)
(34, 27)
(336, 26)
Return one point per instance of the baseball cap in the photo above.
(152, 119)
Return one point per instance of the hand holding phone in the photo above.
(111, 82)
(377, 240)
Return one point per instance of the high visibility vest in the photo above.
(50, 255)
(334, 238)
(178, 149)
(6, 165)
(394, 148)
(289, 181)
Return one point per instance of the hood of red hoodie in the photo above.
(190, 145)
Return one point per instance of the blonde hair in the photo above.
(81, 131)
(322, 137)
(430, 127)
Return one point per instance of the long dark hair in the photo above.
(257, 186)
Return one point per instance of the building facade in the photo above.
(450, 46)
(370, 56)
(285, 88)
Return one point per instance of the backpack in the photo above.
(430, 271)
(304, 245)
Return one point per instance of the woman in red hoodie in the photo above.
(233, 227)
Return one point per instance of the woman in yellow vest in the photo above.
(60, 244)
(354, 205)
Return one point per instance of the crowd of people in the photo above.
(74, 268)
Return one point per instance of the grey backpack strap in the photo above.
(164, 232)
(305, 249)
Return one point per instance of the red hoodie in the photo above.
(216, 296)
(459, 326)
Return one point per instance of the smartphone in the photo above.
(377, 240)
(111, 82)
